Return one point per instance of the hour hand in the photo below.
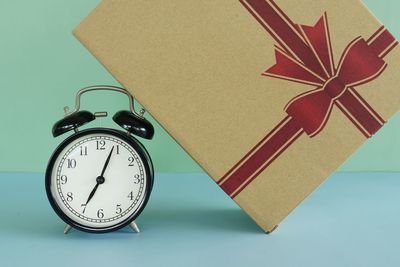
(99, 181)
(90, 196)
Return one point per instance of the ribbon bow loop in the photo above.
(304, 55)
(311, 110)
(359, 64)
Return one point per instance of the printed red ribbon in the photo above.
(304, 55)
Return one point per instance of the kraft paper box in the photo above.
(269, 97)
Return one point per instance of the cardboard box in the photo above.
(267, 106)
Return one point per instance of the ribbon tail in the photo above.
(284, 31)
(352, 104)
(318, 39)
(287, 68)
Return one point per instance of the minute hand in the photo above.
(99, 180)
(106, 164)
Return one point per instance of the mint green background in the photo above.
(42, 65)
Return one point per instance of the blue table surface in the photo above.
(353, 219)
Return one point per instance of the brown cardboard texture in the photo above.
(217, 75)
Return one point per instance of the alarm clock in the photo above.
(99, 179)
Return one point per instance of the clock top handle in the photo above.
(102, 88)
(131, 121)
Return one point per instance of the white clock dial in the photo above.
(98, 180)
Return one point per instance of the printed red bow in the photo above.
(358, 65)
(304, 55)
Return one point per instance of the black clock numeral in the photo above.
(63, 179)
(131, 161)
(119, 209)
(83, 150)
(130, 196)
(70, 196)
(71, 163)
(136, 179)
(100, 214)
(117, 149)
(84, 207)
(100, 145)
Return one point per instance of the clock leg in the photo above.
(67, 228)
(134, 227)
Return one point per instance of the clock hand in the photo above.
(99, 180)
(107, 161)
(91, 195)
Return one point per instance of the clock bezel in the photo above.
(130, 140)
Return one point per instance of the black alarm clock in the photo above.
(100, 179)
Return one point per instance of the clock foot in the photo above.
(134, 227)
(67, 228)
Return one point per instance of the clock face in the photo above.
(99, 179)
